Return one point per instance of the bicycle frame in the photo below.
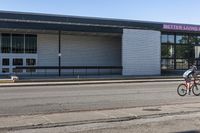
(193, 86)
(193, 82)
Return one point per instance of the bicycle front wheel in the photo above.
(195, 90)
(182, 90)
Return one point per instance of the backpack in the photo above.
(187, 73)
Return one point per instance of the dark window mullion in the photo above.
(175, 51)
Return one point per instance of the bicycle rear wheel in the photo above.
(182, 90)
(195, 90)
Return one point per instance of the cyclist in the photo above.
(188, 75)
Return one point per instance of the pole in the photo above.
(59, 52)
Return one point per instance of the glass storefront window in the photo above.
(181, 53)
(5, 62)
(181, 64)
(5, 70)
(167, 64)
(171, 38)
(5, 43)
(20, 43)
(17, 70)
(30, 44)
(30, 62)
(167, 38)
(17, 62)
(184, 51)
(192, 40)
(198, 40)
(17, 43)
(181, 39)
(164, 38)
(197, 52)
(167, 51)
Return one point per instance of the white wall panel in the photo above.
(141, 52)
(47, 50)
(90, 50)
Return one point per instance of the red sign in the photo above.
(181, 27)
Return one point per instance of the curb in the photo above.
(58, 79)
(24, 84)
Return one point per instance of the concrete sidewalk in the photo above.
(101, 116)
(81, 81)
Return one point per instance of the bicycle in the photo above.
(182, 88)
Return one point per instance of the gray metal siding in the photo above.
(47, 50)
(90, 50)
(141, 52)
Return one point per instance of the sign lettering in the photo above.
(181, 27)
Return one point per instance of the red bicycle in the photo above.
(182, 88)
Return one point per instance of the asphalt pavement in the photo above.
(133, 120)
(82, 81)
(54, 106)
(70, 98)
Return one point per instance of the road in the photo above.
(167, 124)
(54, 99)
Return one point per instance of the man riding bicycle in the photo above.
(188, 75)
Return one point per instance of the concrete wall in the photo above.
(141, 52)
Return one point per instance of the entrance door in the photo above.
(9, 62)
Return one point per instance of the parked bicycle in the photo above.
(194, 87)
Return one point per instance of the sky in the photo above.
(177, 11)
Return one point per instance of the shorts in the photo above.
(187, 79)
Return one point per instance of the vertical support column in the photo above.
(59, 52)
(175, 52)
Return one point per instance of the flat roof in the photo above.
(39, 21)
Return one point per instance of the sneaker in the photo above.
(188, 91)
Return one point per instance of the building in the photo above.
(37, 43)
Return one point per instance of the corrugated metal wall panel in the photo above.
(141, 52)
(47, 50)
(90, 51)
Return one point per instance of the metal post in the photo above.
(59, 52)
(174, 52)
